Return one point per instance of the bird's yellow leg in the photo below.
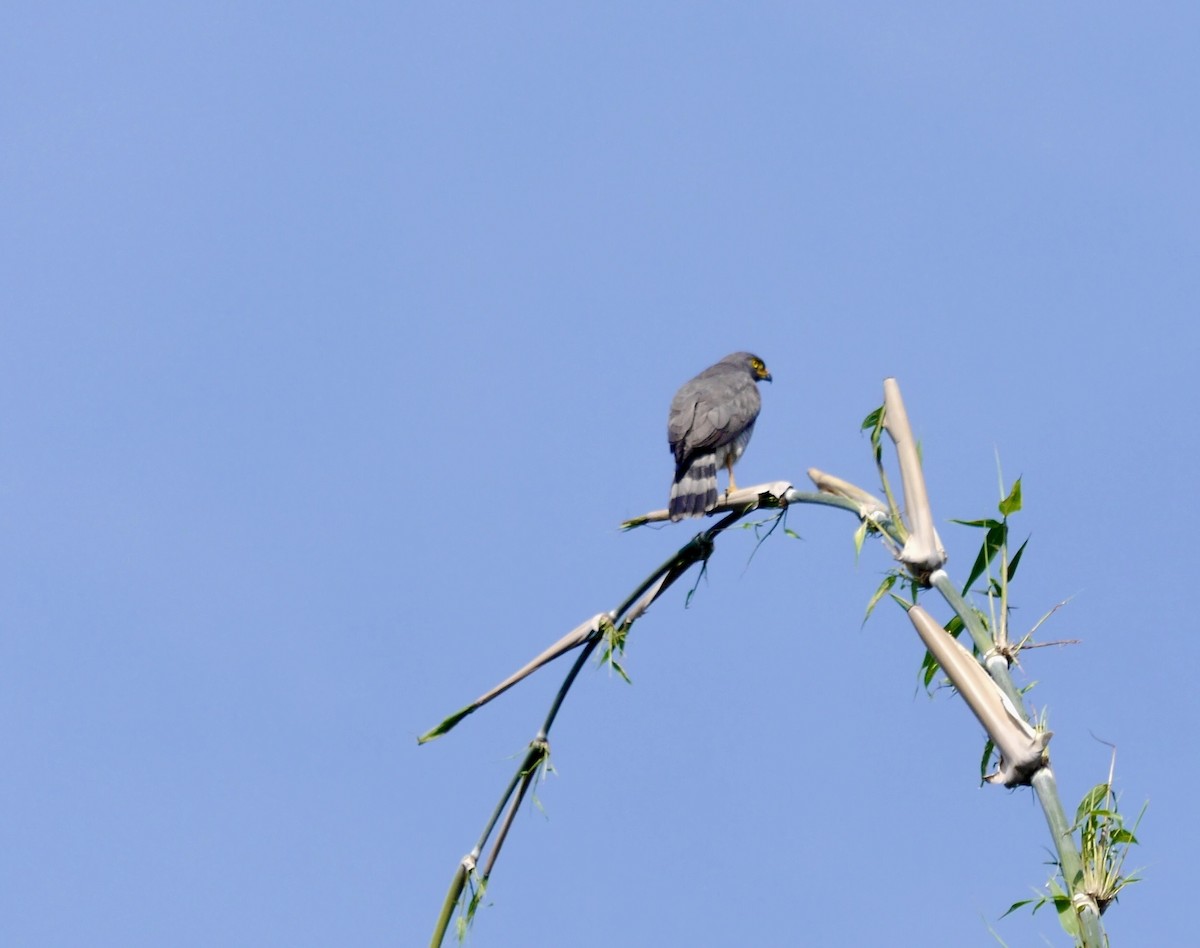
(729, 467)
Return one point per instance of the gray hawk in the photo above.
(712, 418)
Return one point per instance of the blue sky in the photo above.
(338, 340)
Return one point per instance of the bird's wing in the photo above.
(711, 411)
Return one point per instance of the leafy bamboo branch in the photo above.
(980, 675)
(470, 881)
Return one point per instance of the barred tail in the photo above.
(694, 492)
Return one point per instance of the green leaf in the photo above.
(988, 749)
(989, 523)
(884, 588)
(1012, 503)
(1012, 564)
(1016, 905)
(996, 537)
(929, 669)
(929, 665)
(874, 422)
(1092, 801)
(860, 536)
(446, 725)
(1124, 836)
(1066, 915)
(955, 626)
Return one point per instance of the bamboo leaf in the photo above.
(445, 726)
(1066, 914)
(1012, 503)
(1092, 801)
(988, 749)
(1124, 836)
(995, 538)
(1012, 566)
(987, 523)
(1016, 905)
(929, 669)
(874, 423)
(884, 588)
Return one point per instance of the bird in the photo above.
(712, 418)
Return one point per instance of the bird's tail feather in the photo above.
(694, 492)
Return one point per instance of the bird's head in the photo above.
(755, 365)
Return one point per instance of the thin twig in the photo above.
(588, 635)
